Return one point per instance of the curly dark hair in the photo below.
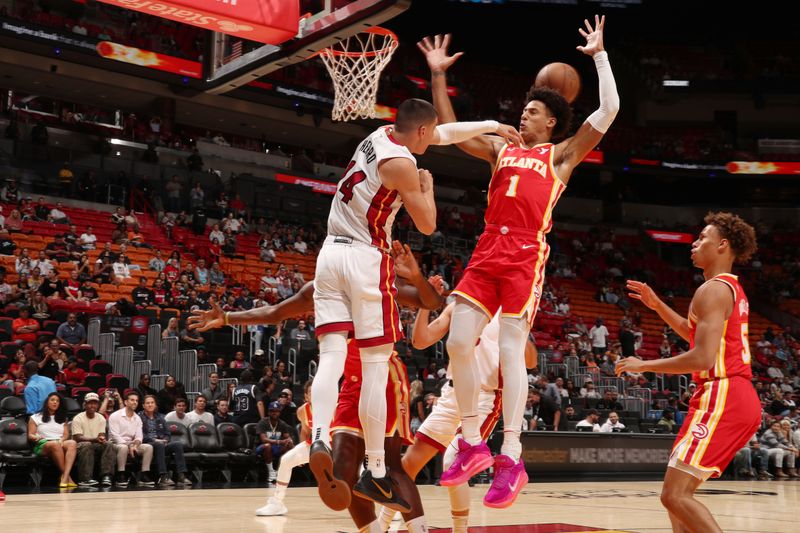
(739, 234)
(558, 107)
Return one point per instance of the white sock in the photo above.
(513, 334)
(372, 527)
(372, 405)
(271, 471)
(385, 518)
(417, 525)
(466, 325)
(280, 491)
(325, 390)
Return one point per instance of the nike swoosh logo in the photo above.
(387, 495)
(526, 246)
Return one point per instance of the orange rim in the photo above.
(389, 44)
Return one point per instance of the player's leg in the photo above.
(677, 496)
(348, 454)
(372, 405)
(297, 456)
(459, 496)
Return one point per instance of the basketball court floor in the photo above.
(610, 507)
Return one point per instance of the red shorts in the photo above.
(723, 416)
(506, 270)
(397, 412)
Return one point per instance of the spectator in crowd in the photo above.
(88, 292)
(14, 378)
(599, 337)
(156, 434)
(37, 388)
(610, 402)
(239, 362)
(191, 339)
(570, 414)
(550, 390)
(282, 377)
(215, 275)
(173, 189)
(201, 272)
(668, 419)
(179, 413)
(300, 246)
(111, 402)
(65, 177)
(125, 430)
(216, 234)
(72, 333)
(144, 388)
(196, 197)
(213, 393)
(94, 449)
(24, 328)
(199, 413)
(194, 162)
(275, 438)
(591, 421)
(7, 246)
(222, 415)
(170, 331)
(612, 424)
(57, 215)
(743, 461)
(74, 376)
(157, 263)
(780, 451)
(588, 390)
(545, 414)
(169, 395)
(142, 295)
(14, 222)
(49, 433)
(88, 240)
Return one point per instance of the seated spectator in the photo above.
(88, 240)
(588, 390)
(111, 401)
(7, 246)
(179, 412)
(201, 272)
(73, 374)
(121, 269)
(216, 234)
(743, 461)
(8, 293)
(14, 378)
(88, 292)
(612, 424)
(104, 271)
(215, 275)
(136, 239)
(144, 388)
(591, 421)
(52, 287)
(49, 433)
(570, 414)
(24, 328)
(199, 413)
(44, 264)
(171, 330)
(156, 434)
(239, 362)
(275, 438)
(300, 246)
(57, 215)
(545, 413)
(191, 339)
(668, 419)
(213, 392)
(142, 295)
(125, 430)
(169, 395)
(89, 431)
(157, 263)
(222, 415)
(610, 402)
(780, 451)
(14, 222)
(282, 377)
(72, 287)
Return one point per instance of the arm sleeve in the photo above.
(457, 132)
(602, 118)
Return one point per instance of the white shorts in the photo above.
(354, 291)
(444, 422)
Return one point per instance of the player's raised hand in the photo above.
(435, 51)
(594, 36)
(510, 134)
(437, 282)
(642, 292)
(206, 320)
(425, 180)
(405, 264)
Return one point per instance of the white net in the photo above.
(355, 65)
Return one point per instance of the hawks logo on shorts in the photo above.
(700, 431)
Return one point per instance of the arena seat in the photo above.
(13, 406)
(15, 450)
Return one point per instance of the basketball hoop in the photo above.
(355, 65)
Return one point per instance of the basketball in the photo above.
(560, 77)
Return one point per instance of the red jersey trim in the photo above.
(422, 437)
(389, 130)
(334, 326)
(378, 213)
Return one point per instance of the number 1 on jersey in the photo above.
(512, 187)
(347, 185)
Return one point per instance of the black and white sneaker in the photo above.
(146, 480)
(333, 492)
(382, 490)
(88, 483)
(122, 480)
(105, 481)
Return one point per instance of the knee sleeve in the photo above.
(325, 389)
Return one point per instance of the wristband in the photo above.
(226, 321)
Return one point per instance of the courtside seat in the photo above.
(16, 452)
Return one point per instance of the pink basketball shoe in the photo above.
(509, 479)
(469, 461)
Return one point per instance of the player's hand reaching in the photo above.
(436, 53)
(425, 180)
(206, 320)
(629, 364)
(642, 292)
(510, 134)
(405, 264)
(594, 37)
(437, 282)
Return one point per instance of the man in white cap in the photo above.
(89, 431)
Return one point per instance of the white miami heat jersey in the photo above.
(363, 208)
(487, 352)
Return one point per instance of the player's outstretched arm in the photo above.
(712, 304)
(571, 152)
(426, 334)
(302, 302)
(415, 188)
(483, 146)
(642, 292)
(412, 287)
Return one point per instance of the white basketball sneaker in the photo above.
(274, 507)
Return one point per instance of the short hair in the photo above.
(132, 393)
(592, 412)
(155, 400)
(182, 400)
(558, 107)
(31, 368)
(413, 113)
(740, 234)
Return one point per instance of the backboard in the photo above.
(235, 62)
